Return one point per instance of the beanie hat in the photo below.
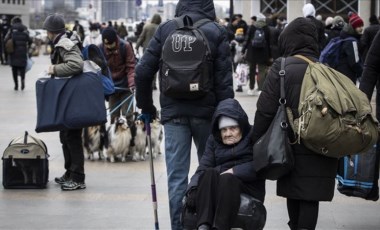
(239, 31)
(308, 10)
(355, 21)
(373, 19)
(54, 23)
(329, 21)
(261, 17)
(16, 20)
(338, 22)
(109, 35)
(225, 121)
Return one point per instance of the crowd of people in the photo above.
(215, 122)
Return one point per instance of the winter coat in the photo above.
(313, 176)
(21, 42)
(148, 31)
(258, 55)
(371, 72)
(150, 62)
(66, 56)
(121, 67)
(222, 157)
(367, 38)
(349, 57)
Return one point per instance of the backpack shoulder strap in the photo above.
(304, 58)
(122, 49)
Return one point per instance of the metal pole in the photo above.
(231, 10)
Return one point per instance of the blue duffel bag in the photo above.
(70, 102)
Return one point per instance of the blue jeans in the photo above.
(179, 133)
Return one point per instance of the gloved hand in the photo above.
(191, 198)
(149, 113)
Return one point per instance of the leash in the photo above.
(121, 103)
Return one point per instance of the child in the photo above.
(241, 69)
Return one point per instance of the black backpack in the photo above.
(186, 66)
(258, 40)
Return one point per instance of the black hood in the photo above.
(299, 37)
(196, 8)
(230, 108)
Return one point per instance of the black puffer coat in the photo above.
(350, 63)
(313, 177)
(222, 157)
(21, 41)
(150, 62)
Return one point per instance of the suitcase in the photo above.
(25, 163)
(357, 175)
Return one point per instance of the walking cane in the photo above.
(147, 118)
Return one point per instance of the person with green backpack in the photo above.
(313, 177)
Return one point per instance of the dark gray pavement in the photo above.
(118, 195)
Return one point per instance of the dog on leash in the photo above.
(119, 136)
(156, 135)
(94, 140)
(139, 150)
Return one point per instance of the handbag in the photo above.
(70, 102)
(272, 153)
(9, 46)
(242, 73)
(29, 64)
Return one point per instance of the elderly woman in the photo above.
(225, 170)
(313, 177)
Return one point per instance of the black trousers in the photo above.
(302, 214)
(71, 141)
(218, 199)
(16, 71)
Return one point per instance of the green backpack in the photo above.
(335, 117)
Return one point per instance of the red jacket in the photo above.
(120, 66)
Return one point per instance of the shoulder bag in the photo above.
(272, 153)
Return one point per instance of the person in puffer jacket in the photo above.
(185, 120)
(313, 177)
(225, 170)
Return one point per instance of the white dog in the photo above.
(156, 137)
(140, 141)
(119, 135)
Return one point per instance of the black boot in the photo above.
(16, 87)
(22, 84)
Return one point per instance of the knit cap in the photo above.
(225, 121)
(355, 21)
(239, 31)
(338, 22)
(261, 17)
(308, 10)
(54, 23)
(329, 21)
(109, 35)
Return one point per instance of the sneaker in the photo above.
(73, 185)
(256, 92)
(250, 92)
(63, 179)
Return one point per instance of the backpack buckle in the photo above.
(282, 72)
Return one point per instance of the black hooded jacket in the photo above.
(150, 63)
(313, 176)
(222, 157)
(21, 40)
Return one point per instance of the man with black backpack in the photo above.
(257, 52)
(195, 75)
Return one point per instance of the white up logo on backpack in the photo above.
(179, 40)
